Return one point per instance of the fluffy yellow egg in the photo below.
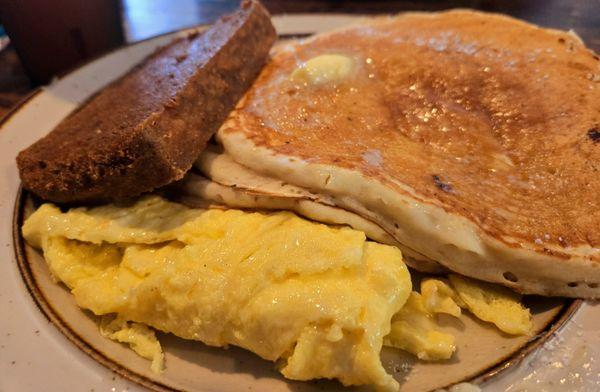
(414, 330)
(138, 336)
(495, 304)
(439, 297)
(315, 298)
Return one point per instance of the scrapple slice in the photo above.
(146, 129)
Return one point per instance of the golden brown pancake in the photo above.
(473, 138)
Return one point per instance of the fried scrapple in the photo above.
(145, 129)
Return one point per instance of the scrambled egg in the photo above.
(318, 300)
(495, 304)
(439, 297)
(414, 327)
(315, 298)
(413, 330)
(486, 301)
(140, 338)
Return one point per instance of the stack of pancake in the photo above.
(468, 140)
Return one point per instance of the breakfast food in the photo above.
(145, 129)
(319, 300)
(411, 139)
(463, 140)
(413, 330)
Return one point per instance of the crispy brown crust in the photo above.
(145, 129)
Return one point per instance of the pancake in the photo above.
(471, 138)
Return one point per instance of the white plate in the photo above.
(35, 356)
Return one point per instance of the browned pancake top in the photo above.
(490, 118)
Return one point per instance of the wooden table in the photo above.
(142, 19)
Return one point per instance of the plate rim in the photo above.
(559, 321)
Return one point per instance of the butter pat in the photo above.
(326, 68)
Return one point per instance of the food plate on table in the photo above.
(46, 333)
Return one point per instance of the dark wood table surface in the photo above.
(144, 18)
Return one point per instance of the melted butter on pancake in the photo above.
(326, 68)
